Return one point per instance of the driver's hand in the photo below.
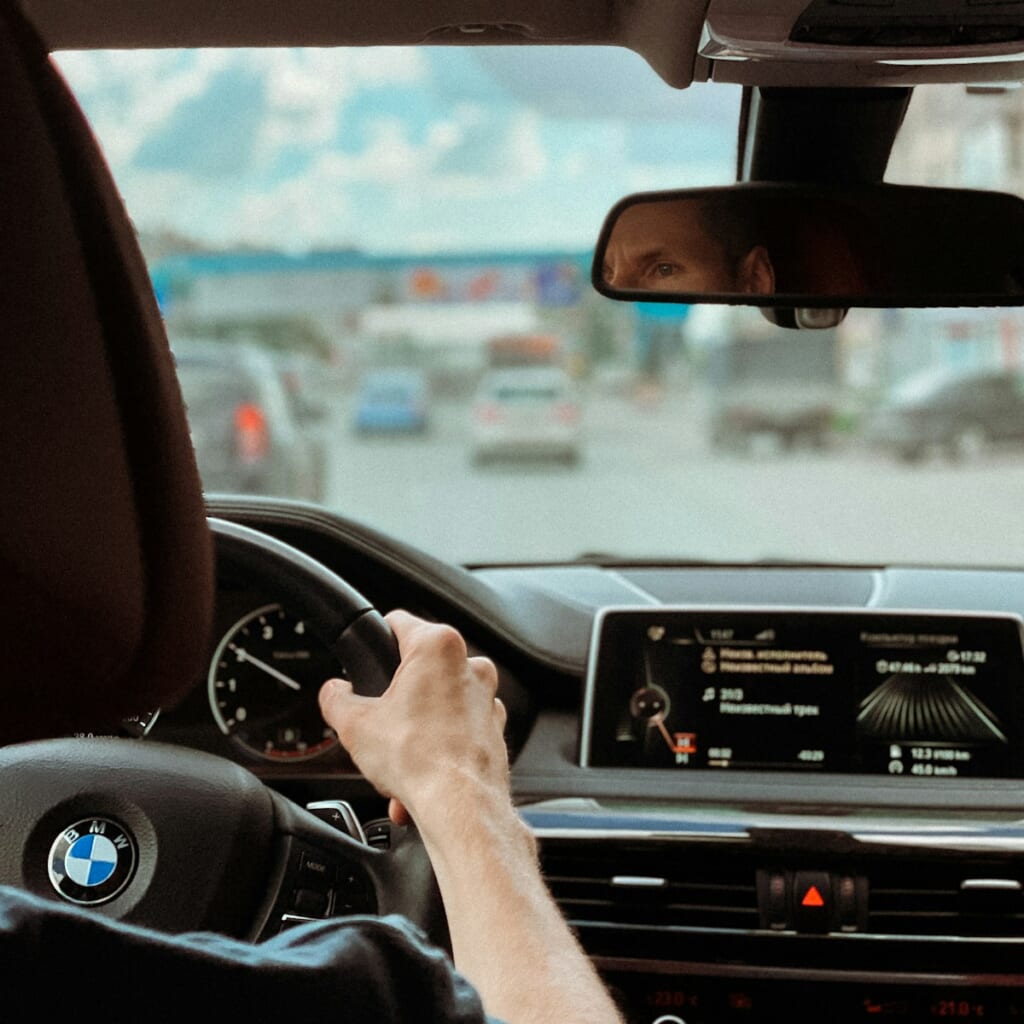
(435, 733)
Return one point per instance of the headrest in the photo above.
(105, 560)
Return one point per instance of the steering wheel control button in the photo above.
(338, 814)
(355, 894)
(378, 833)
(317, 870)
(92, 861)
(320, 885)
(310, 903)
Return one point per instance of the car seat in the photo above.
(106, 578)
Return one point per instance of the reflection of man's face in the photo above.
(669, 247)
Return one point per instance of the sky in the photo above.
(396, 149)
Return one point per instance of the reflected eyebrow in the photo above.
(660, 254)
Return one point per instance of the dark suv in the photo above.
(960, 415)
(246, 437)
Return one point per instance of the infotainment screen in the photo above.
(886, 693)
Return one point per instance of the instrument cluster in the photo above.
(258, 701)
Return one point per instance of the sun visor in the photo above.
(105, 561)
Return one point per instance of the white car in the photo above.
(527, 412)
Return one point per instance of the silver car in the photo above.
(526, 412)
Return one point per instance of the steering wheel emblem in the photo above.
(92, 861)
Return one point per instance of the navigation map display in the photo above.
(888, 693)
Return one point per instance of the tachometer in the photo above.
(263, 685)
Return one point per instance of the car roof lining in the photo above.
(679, 39)
(666, 33)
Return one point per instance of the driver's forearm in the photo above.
(508, 936)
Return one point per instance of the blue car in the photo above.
(392, 402)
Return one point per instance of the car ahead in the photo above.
(747, 810)
(245, 435)
(960, 415)
(526, 412)
(392, 401)
(773, 389)
(302, 377)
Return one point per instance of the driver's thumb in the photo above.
(339, 704)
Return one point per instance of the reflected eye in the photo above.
(661, 271)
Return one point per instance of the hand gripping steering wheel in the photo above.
(180, 840)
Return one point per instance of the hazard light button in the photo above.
(812, 901)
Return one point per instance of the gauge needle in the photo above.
(668, 739)
(244, 655)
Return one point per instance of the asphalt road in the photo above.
(648, 485)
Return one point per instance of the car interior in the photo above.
(762, 790)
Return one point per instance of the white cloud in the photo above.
(129, 94)
(304, 91)
(315, 209)
(287, 218)
(527, 158)
(689, 174)
(473, 174)
(391, 65)
(390, 156)
(444, 135)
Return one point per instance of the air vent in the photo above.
(950, 899)
(652, 885)
(700, 887)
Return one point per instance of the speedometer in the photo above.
(263, 684)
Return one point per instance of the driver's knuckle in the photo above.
(448, 641)
(485, 672)
(501, 711)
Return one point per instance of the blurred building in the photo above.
(436, 310)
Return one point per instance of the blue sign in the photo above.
(674, 312)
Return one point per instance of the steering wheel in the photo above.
(180, 840)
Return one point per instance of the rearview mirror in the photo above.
(815, 246)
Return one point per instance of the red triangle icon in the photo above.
(812, 898)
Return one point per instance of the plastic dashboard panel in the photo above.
(536, 622)
(613, 839)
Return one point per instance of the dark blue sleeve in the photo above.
(57, 961)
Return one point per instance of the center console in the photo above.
(796, 815)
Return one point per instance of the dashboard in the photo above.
(721, 854)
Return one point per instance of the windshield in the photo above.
(383, 257)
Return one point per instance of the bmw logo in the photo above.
(92, 861)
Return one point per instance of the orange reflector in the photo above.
(812, 898)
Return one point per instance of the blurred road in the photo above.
(649, 485)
